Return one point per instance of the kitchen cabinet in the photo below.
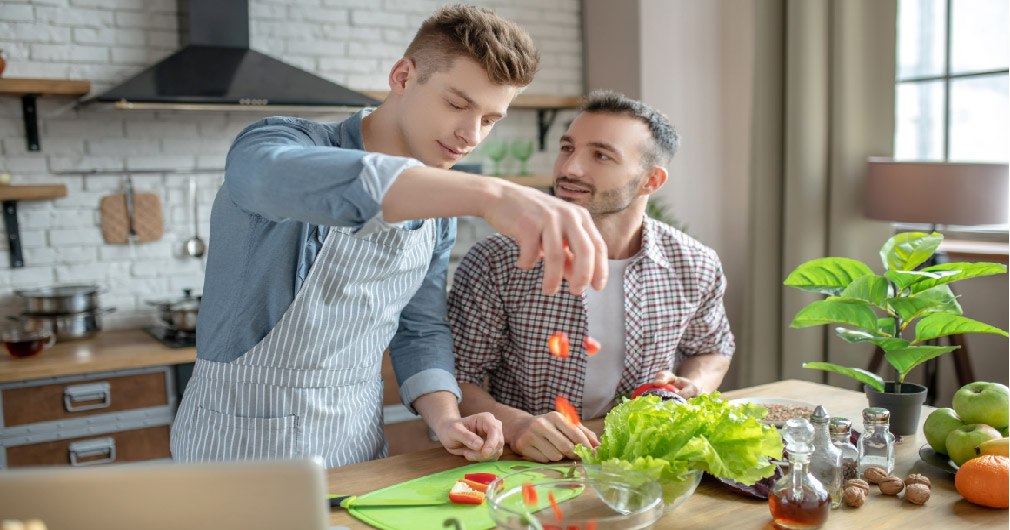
(108, 399)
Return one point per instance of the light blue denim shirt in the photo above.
(286, 181)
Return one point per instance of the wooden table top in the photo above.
(108, 350)
(713, 506)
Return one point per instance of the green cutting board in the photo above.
(433, 487)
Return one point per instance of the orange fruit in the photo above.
(985, 481)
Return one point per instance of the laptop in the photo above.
(238, 495)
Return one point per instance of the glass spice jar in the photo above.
(841, 430)
(825, 458)
(876, 445)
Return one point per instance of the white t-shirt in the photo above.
(606, 324)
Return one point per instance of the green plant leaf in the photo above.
(858, 374)
(946, 297)
(902, 279)
(906, 251)
(909, 307)
(827, 275)
(828, 311)
(853, 336)
(870, 288)
(952, 272)
(886, 326)
(890, 343)
(904, 359)
(942, 324)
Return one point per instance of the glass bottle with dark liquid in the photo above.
(798, 500)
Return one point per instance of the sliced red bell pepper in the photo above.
(592, 345)
(565, 407)
(529, 494)
(479, 486)
(652, 386)
(558, 345)
(554, 505)
(483, 478)
(462, 493)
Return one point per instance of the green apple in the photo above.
(987, 403)
(1004, 431)
(938, 425)
(962, 441)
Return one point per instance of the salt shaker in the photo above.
(841, 436)
(826, 459)
(876, 445)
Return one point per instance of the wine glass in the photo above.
(496, 151)
(522, 149)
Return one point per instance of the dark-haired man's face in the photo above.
(600, 163)
(445, 117)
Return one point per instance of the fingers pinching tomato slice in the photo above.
(652, 386)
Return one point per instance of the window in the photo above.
(952, 90)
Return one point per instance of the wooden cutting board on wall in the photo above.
(147, 218)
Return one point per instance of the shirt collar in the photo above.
(650, 246)
(350, 130)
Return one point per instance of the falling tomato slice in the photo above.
(554, 505)
(558, 345)
(529, 494)
(565, 407)
(592, 345)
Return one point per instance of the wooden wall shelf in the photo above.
(533, 181)
(30, 89)
(9, 197)
(32, 193)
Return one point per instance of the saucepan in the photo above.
(61, 299)
(179, 314)
(80, 325)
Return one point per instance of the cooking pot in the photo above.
(179, 314)
(61, 300)
(80, 325)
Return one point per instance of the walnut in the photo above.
(891, 485)
(857, 483)
(916, 478)
(854, 496)
(875, 475)
(917, 493)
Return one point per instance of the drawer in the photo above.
(149, 443)
(23, 405)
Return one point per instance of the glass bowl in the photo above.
(675, 493)
(584, 495)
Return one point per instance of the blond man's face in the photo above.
(447, 116)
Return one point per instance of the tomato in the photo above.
(592, 345)
(652, 386)
(558, 345)
(565, 407)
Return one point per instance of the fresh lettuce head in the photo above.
(665, 441)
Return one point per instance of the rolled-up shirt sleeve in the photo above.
(708, 331)
(421, 350)
(287, 168)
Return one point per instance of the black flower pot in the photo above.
(905, 407)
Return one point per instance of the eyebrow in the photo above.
(599, 145)
(469, 100)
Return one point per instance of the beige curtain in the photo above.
(823, 103)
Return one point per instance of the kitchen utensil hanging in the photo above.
(131, 215)
(195, 247)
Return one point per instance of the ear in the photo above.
(654, 179)
(401, 74)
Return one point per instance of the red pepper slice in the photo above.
(652, 386)
(592, 345)
(479, 486)
(591, 525)
(529, 494)
(565, 407)
(483, 478)
(462, 493)
(554, 505)
(558, 345)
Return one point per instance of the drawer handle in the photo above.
(89, 392)
(93, 447)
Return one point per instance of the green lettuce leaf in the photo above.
(666, 441)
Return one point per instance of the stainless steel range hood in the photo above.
(216, 70)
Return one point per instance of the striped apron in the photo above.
(313, 385)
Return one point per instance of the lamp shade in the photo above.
(944, 193)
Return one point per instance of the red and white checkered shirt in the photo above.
(673, 291)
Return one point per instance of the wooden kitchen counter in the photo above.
(106, 351)
(713, 506)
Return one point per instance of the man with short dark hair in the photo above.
(659, 319)
(330, 242)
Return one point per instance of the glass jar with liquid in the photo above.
(798, 500)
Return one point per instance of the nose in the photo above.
(469, 131)
(568, 165)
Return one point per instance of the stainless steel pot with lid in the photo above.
(61, 299)
(70, 326)
(179, 314)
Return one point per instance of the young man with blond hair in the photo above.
(660, 319)
(330, 242)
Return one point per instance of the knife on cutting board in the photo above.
(347, 501)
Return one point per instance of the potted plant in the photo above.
(881, 309)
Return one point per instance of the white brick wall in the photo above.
(353, 42)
